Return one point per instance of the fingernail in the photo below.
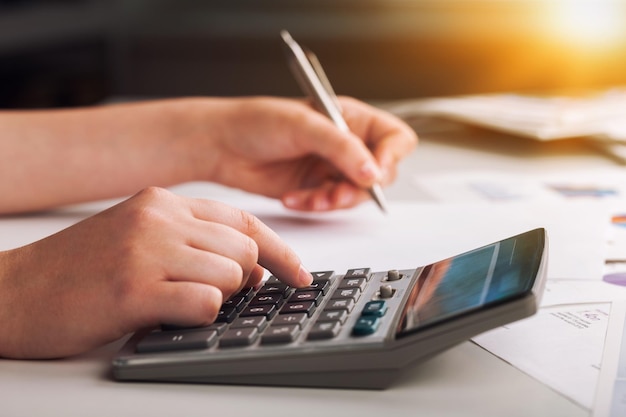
(291, 201)
(321, 204)
(305, 277)
(384, 176)
(370, 171)
(346, 198)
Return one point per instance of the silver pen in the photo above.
(310, 76)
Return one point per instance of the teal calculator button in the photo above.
(376, 308)
(365, 325)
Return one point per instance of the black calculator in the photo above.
(350, 329)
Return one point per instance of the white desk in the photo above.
(464, 381)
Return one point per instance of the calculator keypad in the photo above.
(276, 314)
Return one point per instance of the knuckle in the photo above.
(251, 226)
(154, 194)
(251, 250)
(146, 216)
(148, 207)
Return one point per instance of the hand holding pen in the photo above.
(312, 79)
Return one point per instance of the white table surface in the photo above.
(463, 381)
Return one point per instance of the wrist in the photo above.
(165, 142)
(207, 124)
(175, 129)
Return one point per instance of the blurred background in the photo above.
(58, 53)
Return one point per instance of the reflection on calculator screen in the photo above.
(467, 282)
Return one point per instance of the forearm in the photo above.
(51, 158)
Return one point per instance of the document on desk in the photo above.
(415, 234)
(412, 234)
(540, 118)
(499, 187)
(560, 346)
(610, 398)
(605, 187)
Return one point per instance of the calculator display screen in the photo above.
(479, 278)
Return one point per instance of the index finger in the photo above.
(376, 140)
(274, 254)
(388, 137)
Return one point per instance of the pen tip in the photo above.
(379, 198)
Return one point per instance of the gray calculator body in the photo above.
(392, 320)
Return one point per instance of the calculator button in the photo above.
(276, 288)
(239, 337)
(358, 273)
(318, 284)
(299, 297)
(359, 283)
(246, 293)
(322, 274)
(325, 330)
(307, 307)
(386, 291)
(267, 310)
(220, 328)
(333, 315)
(353, 293)
(226, 315)
(280, 334)
(273, 280)
(177, 340)
(342, 304)
(260, 322)
(170, 327)
(393, 275)
(266, 299)
(297, 318)
(237, 302)
(365, 325)
(376, 308)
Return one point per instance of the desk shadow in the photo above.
(302, 221)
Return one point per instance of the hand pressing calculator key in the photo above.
(349, 329)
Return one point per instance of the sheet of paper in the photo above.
(607, 188)
(414, 234)
(610, 398)
(559, 346)
(616, 238)
(536, 117)
(608, 185)
(577, 291)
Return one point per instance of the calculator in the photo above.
(349, 329)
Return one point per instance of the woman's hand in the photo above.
(285, 149)
(154, 258)
(281, 148)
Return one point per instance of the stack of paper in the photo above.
(601, 115)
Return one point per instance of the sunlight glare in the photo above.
(591, 22)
